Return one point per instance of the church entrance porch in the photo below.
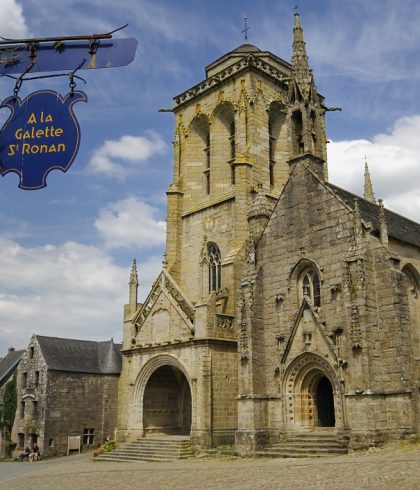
(167, 402)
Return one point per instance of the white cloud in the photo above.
(394, 164)
(71, 290)
(12, 20)
(130, 223)
(118, 158)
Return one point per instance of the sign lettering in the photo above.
(41, 134)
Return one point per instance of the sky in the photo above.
(67, 249)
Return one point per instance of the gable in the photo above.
(166, 322)
(308, 335)
(308, 214)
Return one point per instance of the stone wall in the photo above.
(361, 331)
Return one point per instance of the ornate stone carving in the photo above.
(224, 321)
(230, 72)
(356, 331)
(165, 282)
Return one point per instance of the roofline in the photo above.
(243, 54)
(213, 83)
(76, 340)
(12, 367)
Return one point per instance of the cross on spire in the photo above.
(246, 28)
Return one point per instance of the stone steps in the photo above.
(307, 445)
(150, 449)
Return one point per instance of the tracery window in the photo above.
(215, 268)
(311, 286)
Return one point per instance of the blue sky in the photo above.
(67, 249)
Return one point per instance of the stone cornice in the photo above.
(206, 342)
(209, 203)
(249, 62)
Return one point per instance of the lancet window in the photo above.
(215, 268)
(311, 286)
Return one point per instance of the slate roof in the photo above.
(399, 228)
(246, 48)
(8, 364)
(81, 356)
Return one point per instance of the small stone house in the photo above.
(66, 387)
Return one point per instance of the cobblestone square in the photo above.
(384, 469)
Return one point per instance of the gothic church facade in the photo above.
(285, 304)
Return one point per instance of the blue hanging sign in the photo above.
(40, 135)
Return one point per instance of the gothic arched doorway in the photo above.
(167, 402)
(312, 399)
(324, 399)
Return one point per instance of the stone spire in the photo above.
(300, 64)
(306, 112)
(134, 286)
(368, 189)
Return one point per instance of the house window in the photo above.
(24, 380)
(31, 352)
(51, 443)
(88, 435)
(35, 408)
(215, 268)
(21, 440)
(311, 287)
(36, 378)
(22, 410)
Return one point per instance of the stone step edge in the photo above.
(288, 455)
(145, 453)
(143, 456)
(306, 450)
(308, 446)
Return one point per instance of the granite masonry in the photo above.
(285, 305)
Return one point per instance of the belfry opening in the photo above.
(167, 402)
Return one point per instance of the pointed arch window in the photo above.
(272, 161)
(207, 169)
(311, 286)
(215, 268)
(232, 150)
(277, 144)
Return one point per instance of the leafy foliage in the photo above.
(9, 406)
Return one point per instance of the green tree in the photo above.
(9, 406)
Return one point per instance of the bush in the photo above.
(110, 446)
(105, 448)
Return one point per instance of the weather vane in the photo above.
(296, 7)
(246, 28)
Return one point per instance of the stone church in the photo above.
(285, 305)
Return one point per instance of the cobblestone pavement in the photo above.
(383, 469)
